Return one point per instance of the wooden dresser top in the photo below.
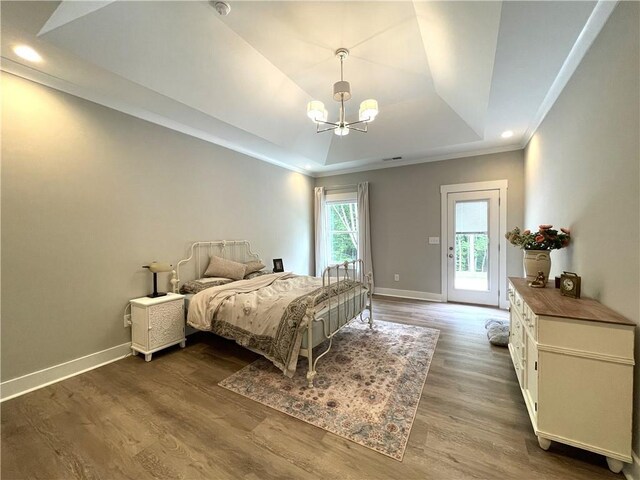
(548, 301)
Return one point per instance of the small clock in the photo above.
(570, 285)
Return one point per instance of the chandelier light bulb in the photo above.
(342, 130)
(368, 110)
(316, 111)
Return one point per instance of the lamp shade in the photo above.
(368, 110)
(157, 267)
(316, 111)
(342, 91)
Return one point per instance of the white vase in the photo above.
(536, 261)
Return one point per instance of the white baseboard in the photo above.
(632, 470)
(412, 294)
(33, 381)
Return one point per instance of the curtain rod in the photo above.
(342, 187)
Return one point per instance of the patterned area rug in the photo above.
(367, 387)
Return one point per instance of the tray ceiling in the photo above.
(449, 77)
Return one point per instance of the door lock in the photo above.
(450, 248)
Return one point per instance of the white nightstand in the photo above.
(157, 323)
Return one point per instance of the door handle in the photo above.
(451, 255)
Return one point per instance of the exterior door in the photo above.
(473, 247)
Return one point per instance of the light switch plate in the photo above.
(434, 240)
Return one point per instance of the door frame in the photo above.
(502, 186)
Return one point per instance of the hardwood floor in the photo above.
(169, 419)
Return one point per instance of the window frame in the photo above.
(339, 199)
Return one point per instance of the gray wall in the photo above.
(405, 211)
(582, 171)
(89, 195)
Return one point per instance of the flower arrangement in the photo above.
(546, 238)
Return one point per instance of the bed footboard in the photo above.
(341, 307)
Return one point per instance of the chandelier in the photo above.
(342, 93)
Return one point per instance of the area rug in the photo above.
(367, 387)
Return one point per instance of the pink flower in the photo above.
(565, 241)
(539, 238)
(546, 226)
(565, 230)
(526, 232)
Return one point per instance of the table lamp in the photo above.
(155, 268)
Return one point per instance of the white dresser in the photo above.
(574, 362)
(157, 323)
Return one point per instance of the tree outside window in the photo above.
(471, 252)
(342, 221)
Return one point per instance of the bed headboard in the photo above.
(195, 265)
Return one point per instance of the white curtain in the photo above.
(364, 230)
(320, 230)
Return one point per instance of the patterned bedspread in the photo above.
(264, 314)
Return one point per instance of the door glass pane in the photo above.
(471, 246)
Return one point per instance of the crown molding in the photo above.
(591, 30)
(429, 158)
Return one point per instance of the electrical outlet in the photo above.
(127, 320)
(396, 277)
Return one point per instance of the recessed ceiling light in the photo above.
(507, 134)
(28, 53)
(307, 166)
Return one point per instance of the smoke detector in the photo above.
(223, 8)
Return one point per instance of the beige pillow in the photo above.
(253, 266)
(221, 267)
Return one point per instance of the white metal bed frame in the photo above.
(338, 312)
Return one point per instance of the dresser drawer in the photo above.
(519, 368)
(518, 303)
(588, 338)
(530, 321)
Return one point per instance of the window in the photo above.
(342, 227)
